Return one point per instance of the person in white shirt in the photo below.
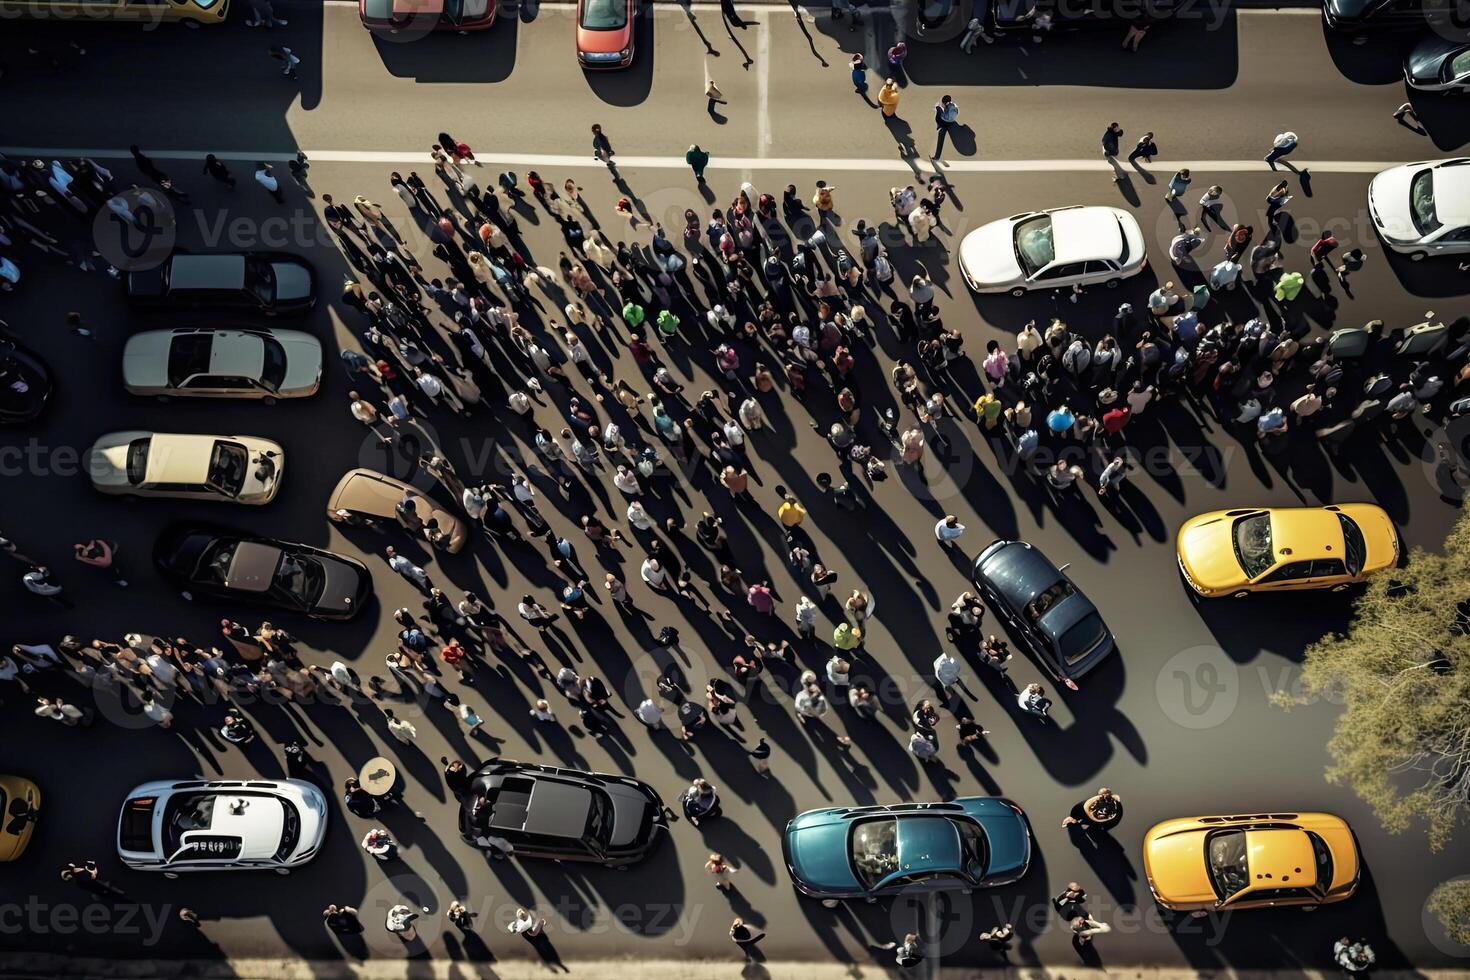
(625, 480)
(806, 617)
(265, 176)
(156, 712)
(402, 730)
(473, 501)
(648, 712)
(654, 574)
(58, 710)
(946, 671)
(541, 711)
(948, 530)
(1139, 396)
(923, 748)
(838, 672)
(639, 517)
(407, 569)
(526, 924)
(733, 433)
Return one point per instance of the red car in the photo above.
(394, 16)
(605, 32)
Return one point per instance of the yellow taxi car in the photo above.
(1237, 552)
(1250, 861)
(20, 805)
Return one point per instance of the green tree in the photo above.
(1402, 673)
(1451, 903)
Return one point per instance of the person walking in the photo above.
(214, 168)
(907, 953)
(760, 757)
(1355, 958)
(1145, 149)
(1101, 811)
(262, 14)
(728, 12)
(946, 113)
(402, 730)
(745, 937)
(1111, 138)
(400, 922)
(948, 530)
(720, 870)
(697, 158)
(1282, 146)
(414, 573)
(1084, 927)
(602, 149)
(265, 176)
(37, 581)
(859, 69)
(100, 554)
(526, 924)
(288, 58)
(888, 97)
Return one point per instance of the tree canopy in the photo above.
(1451, 903)
(1402, 673)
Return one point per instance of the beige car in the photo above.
(366, 493)
(235, 469)
(232, 362)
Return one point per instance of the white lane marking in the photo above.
(763, 81)
(717, 162)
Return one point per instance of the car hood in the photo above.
(343, 588)
(107, 460)
(303, 361)
(630, 813)
(1207, 551)
(293, 281)
(1176, 870)
(989, 255)
(1388, 196)
(1017, 571)
(145, 359)
(818, 856)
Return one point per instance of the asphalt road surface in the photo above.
(1179, 723)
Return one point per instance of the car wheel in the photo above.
(267, 400)
(1018, 291)
(1113, 283)
(1419, 256)
(1240, 594)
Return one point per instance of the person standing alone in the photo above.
(946, 112)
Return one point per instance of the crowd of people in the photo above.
(458, 318)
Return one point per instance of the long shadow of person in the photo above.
(547, 951)
(811, 42)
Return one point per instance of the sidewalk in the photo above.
(24, 967)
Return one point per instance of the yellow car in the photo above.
(1250, 861)
(20, 805)
(1237, 552)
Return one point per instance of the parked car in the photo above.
(1060, 625)
(366, 493)
(25, 383)
(1237, 552)
(20, 810)
(392, 16)
(221, 825)
(1423, 209)
(565, 814)
(1054, 249)
(871, 851)
(213, 562)
(268, 283)
(605, 32)
(1367, 17)
(138, 463)
(1004, 17)
(1439, 64)
(1251, 861)
(206, 362)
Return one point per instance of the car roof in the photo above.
(537, 804)
(1085, 234)
(1309, 532)
(207, 272)
(257, 827)
(178, 458)
(928, 843)
(1021, 572)
(254, 566)
(1280, 857)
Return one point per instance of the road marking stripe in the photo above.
(550, 161)
(763, 83)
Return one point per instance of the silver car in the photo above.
(204, 362)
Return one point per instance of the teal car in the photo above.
(871, 851)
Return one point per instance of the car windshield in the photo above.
(186, 812)
(303, 578)
(600, 819)
(290, 830)
(1458, 66)
(1228, 871)
(188, 355)
(874, 851)
(1079, 641)
(1033, 244)
(228, 464)
(1054, 594)
(1421, 202)
(604, 15)
(273, 371)
(138, 459)
(976, 847)
(1253, 544)
(260, 279)
(1353, 544)
(220, 560)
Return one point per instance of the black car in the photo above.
(1059, 624)
(1036, 16)
(210, 561)
(1367, 16)
(268, 283)
(565, 814)
(25, 383)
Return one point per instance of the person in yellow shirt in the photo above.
(888, 97)
(790, 513)
(847, 637)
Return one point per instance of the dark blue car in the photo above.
(870, 851)
(1060, 625)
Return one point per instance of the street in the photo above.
(1179, 722)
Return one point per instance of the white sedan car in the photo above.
(1056, 249)
(238, 469)
(221, 825)
(1423, 209)
(206, 362)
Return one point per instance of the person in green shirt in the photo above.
(697, 159)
